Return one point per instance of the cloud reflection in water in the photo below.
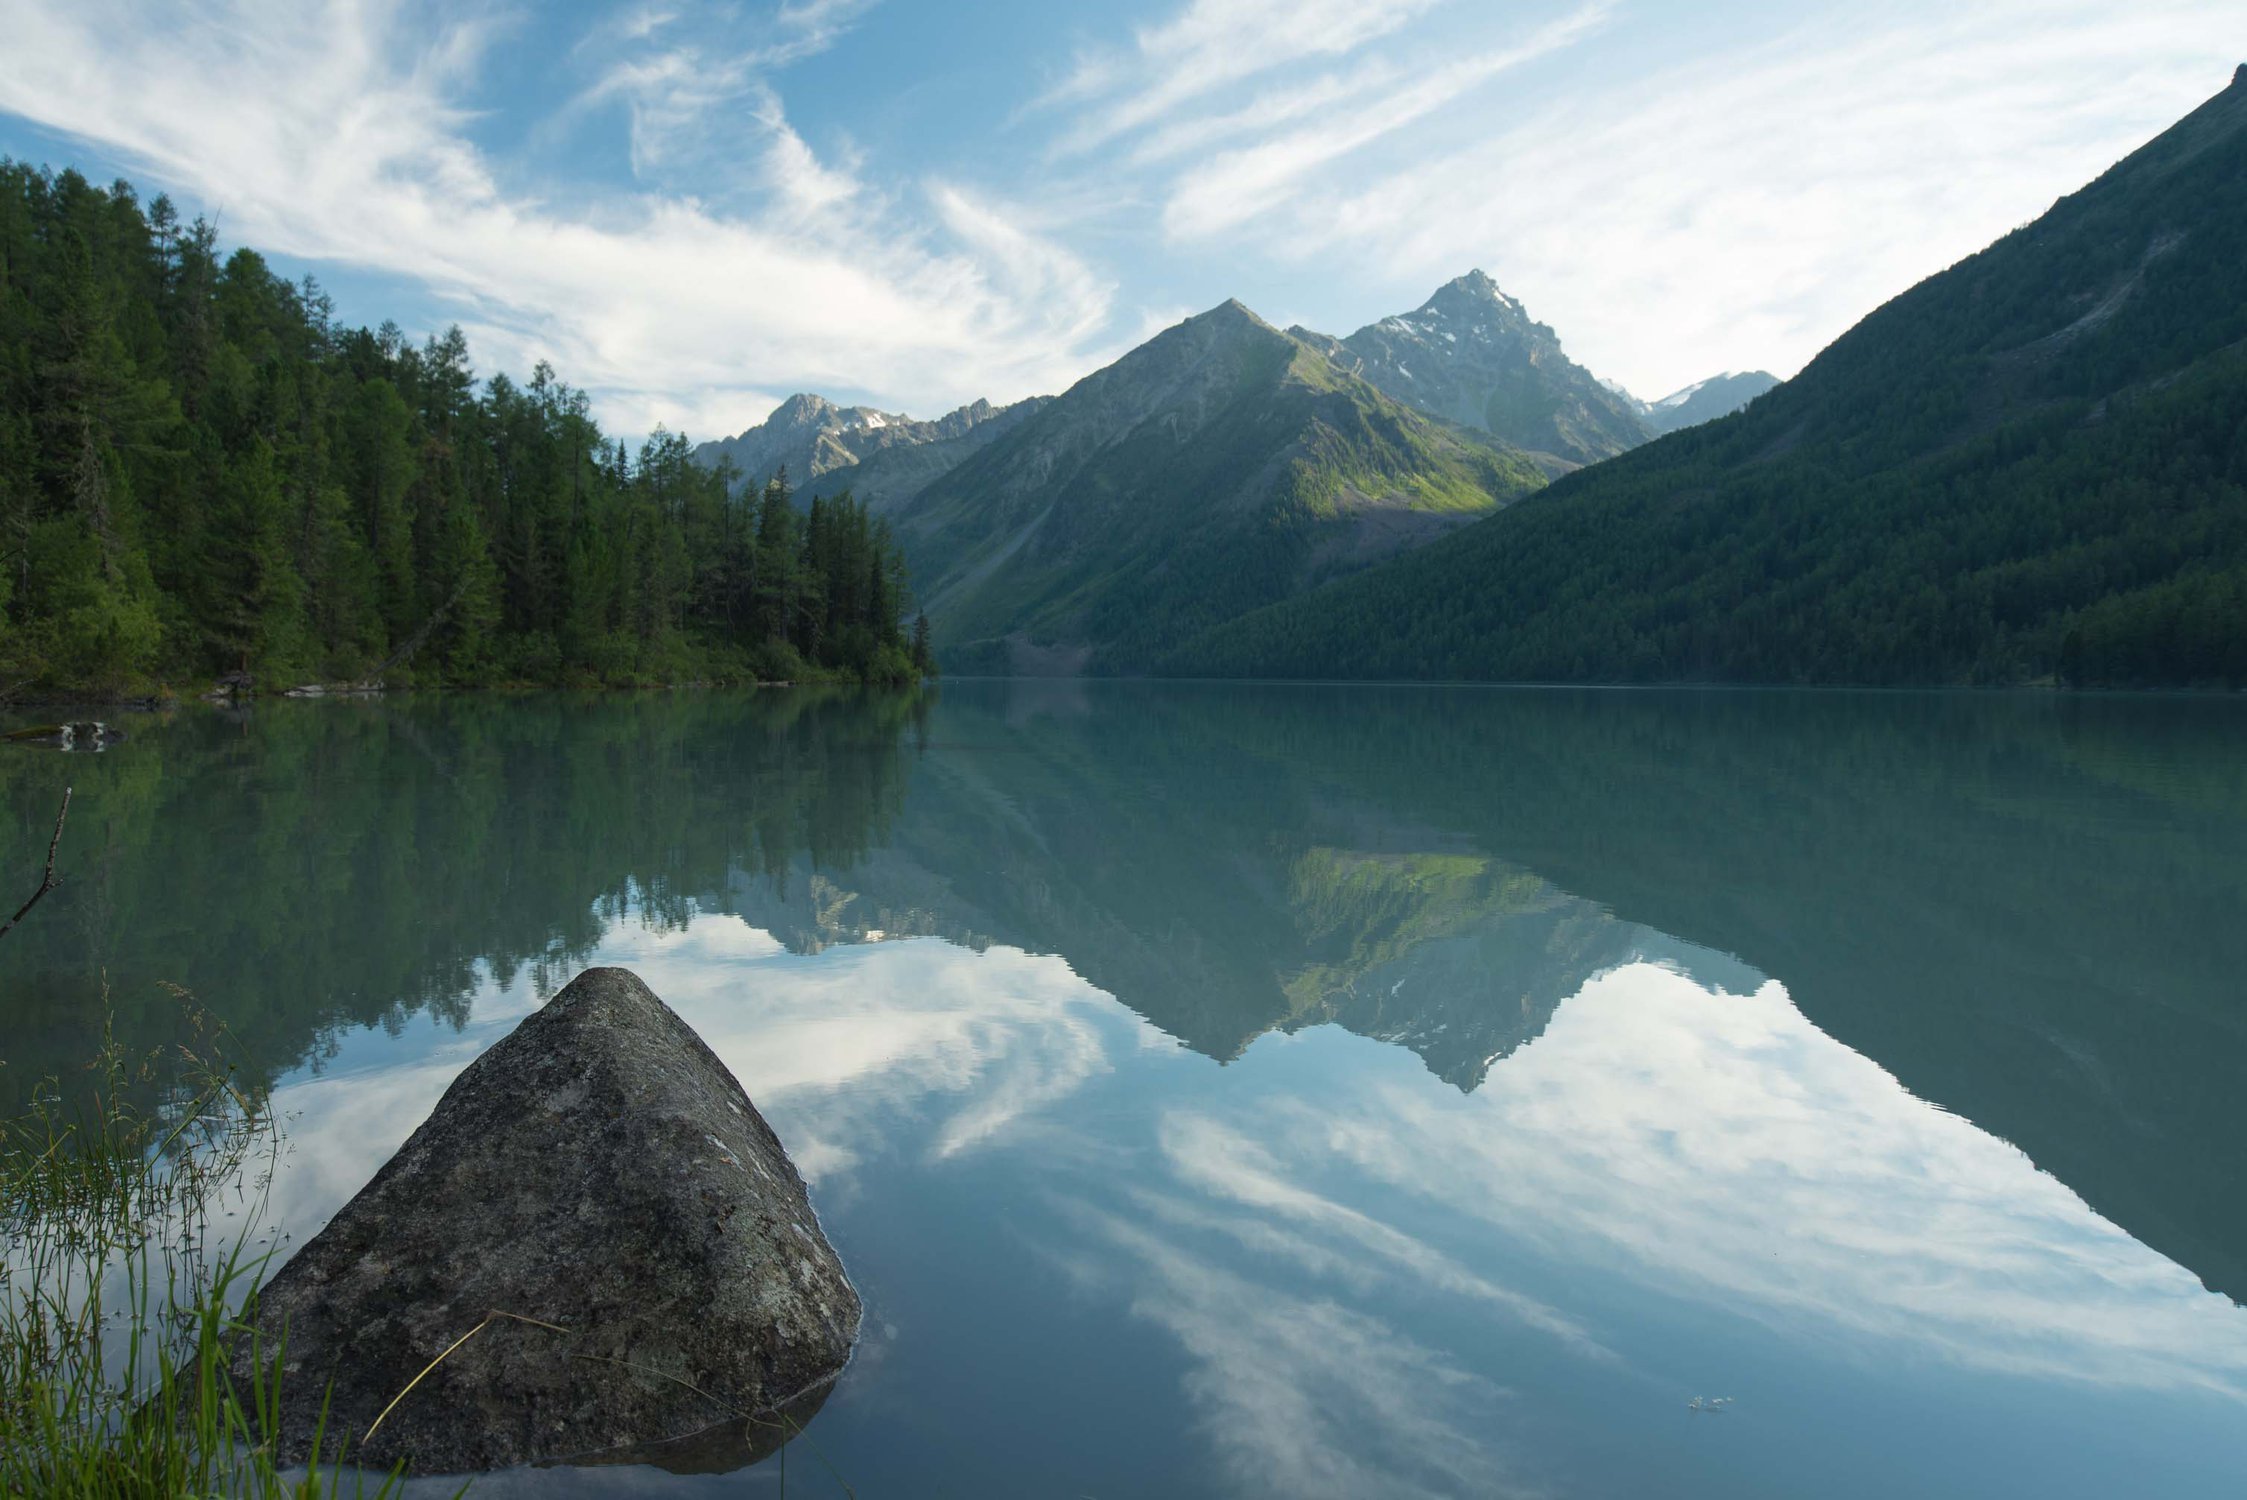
(1288, 1223)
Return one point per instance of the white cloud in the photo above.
(971, 1048)
(1245, 185)
(336, 133)
(645, 21)
(1306, 1398)
(809, 27)
(805, 186)
(687, 96)
(861, 1052)
(1343, 1255)
(1212, 43)
(1722, 1148)
(1671, 209)
(1033, 268)
(1222, 1162)
(1739, 209)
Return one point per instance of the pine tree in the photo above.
(255, 603)
(923, 653)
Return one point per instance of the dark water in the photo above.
(1308, 1092)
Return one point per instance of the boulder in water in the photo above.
(603, 1232)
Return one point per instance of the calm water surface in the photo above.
(1306, 1092)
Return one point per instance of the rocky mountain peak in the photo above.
(1229, 315)
(1475, 296)
(1471, 354)
(800, 410)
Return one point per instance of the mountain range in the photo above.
(2029, 466)
(881, 457)
(2025, 468)
(1221, 466)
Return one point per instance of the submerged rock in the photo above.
(598, 1209)
(371, 689)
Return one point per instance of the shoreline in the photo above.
(68, 707)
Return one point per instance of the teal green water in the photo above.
(1235, 1091)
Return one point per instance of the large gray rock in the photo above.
(601, 1171)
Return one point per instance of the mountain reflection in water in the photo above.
(1654, 987)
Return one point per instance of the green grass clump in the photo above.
(120, 1305)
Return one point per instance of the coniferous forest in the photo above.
(202, 473)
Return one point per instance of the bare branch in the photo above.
(47, 882)
(415, 642)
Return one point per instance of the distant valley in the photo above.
(1705, 400)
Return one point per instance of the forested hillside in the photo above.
(2033, 465)
(202, 473)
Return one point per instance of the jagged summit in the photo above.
(805, 409)
(812, 437)
(1474, 294)
(800, 407)
(1473, 355)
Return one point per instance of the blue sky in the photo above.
(695, 209)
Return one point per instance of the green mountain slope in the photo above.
(1218, 467)
(2032, 464)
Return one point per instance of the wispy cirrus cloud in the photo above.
(1721, 1146)
(1247, 184)
(339, 132)
(1209, 44)
(688, 228)
(1305, 1397)
(1734, 206)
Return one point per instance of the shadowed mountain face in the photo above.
(1934, 880)
(1472, 355)
(2025, 467)
(1219, 466)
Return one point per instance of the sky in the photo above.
(695, 209)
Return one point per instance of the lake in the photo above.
(1298, 1091)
